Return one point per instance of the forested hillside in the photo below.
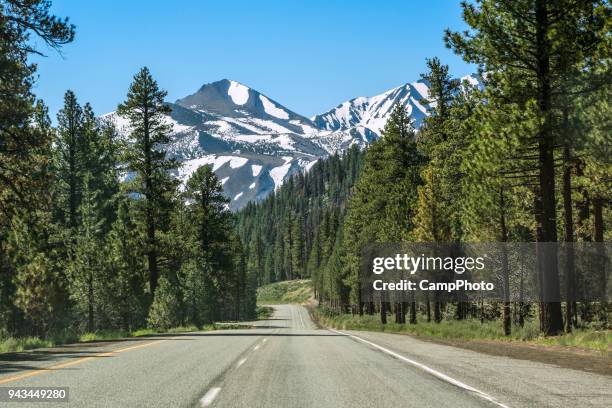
(292, 233)
(527, 159)
(95, 233)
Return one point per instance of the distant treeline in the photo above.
(292, 232)
(95, 233)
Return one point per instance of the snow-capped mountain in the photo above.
(371, 113)
(254, 143)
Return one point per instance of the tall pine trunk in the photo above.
(151, 243)
(413, 317)
(437, 310)
(551, 318)
(90, 304)
(383, 312)
(505, 268)
(570, 280)
(598, 222)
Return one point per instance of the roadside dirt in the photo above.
(567, 357)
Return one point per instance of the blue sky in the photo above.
(309, 55)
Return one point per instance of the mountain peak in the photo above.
(228, 99)
(254, 143)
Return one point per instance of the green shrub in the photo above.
(165, 310)
(293, 291)
(13, 344)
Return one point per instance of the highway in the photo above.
(286, 361)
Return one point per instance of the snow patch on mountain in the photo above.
(272, 110)
(278, 173)
(236, 162)
(238, 92)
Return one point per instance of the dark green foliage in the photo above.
(70, 163)
(145, 110)
(165, 311)
(379, 210)
(80, 250)
(31, 290)
(125, 288)
(285, 232)
(483, 167)
(214, 277)
(530, 49)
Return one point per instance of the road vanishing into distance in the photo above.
(286, 361)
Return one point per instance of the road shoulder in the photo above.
(522, 381)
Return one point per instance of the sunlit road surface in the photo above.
(287, 362)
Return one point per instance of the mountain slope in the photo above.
(254, 143)
(372, 112)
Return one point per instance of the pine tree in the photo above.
(22, 146)
(381, 212)
(297, 249)
(86, 267)
(100, 159)
(145, 110)
(525, 47)
(70, 166)
(439, 142)
(126, 268)
(165, 311)
(210, 219)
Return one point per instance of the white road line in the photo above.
(292, 316)
(301, 318)
(241, 362)
(264, 340)
(210, 396)
(430, 370)
(256, 347)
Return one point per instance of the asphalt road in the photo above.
(287, 362)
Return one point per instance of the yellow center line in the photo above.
(78, 361)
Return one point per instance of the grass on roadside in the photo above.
(264, 312)
(293, 291)
(471, 330)
(12, 344)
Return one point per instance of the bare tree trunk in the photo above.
(521, 320)
(437, 311)
(398, 312)
(90, 305)
(413, 316)
(598, 222)
(505, 270)
(151, 242)
(570, 280)
(383, 312)
(404, 311)
(551, 317)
